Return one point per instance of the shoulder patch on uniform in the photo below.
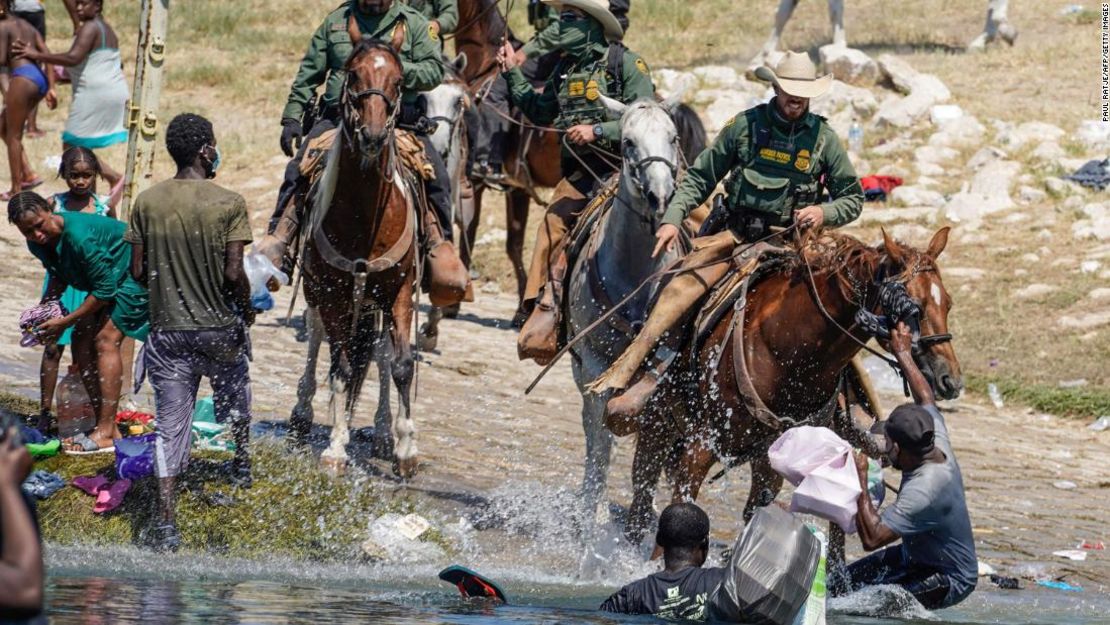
(337, 27)
(642, 66)
(433, 32)
(732, 121)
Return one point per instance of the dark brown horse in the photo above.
(795, 357)
(482, 27)
(360, 260)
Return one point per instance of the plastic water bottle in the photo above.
(994, 394)
(855, 137)
(74, 410)
(813, 612)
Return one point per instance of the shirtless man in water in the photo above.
(24, 86)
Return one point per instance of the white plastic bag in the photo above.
(798, 451)
(831, 491)
(260, 271)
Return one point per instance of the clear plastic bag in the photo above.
(260, 271)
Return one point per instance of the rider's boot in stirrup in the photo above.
(448, 278)
(539, 337)
(623, 410)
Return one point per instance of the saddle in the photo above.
(409, 149)
(749, 268)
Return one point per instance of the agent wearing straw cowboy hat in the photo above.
(571, 100)
(777, 157)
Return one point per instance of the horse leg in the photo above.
(334, 458)
(383, 416)
(836, 19)
(403, 368)
(300, 422)
(766, 484)
(517, 202)
(599, 445)
(647, 464)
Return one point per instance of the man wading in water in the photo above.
(936, 561)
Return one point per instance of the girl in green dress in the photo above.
(80, 169)
(87, 252)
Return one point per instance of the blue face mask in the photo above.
(215, 163)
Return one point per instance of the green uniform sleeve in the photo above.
(539, 107)
(543, 41)
(637, 85)
(842, 182)
(447, 14)
(423, 69)
(313, 71)
(709, 168)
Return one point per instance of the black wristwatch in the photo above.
(598, 130)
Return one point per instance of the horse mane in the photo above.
(851, 261)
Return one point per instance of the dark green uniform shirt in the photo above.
(764, 177)
(331, 46)
(446, 12)
(576, 84)
(545, 20)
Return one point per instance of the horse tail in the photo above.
(691, 131)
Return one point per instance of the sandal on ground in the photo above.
(87, 446)
(31, 184)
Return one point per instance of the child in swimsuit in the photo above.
(27, 85)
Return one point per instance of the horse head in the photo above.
(920, 274)
(446, 105)
(649, 152)
(371, 97)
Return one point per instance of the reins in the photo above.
(648, 280)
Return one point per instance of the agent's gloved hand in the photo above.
(291, 132)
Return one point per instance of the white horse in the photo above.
(615, 261)
(998, 25)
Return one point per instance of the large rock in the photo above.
(1085, 321)
(897, 72)
(1031, 195)
(1035, 291)
(925, 91)
(1060, 188)
(934, 154)
(964, 131)
(988, 192)
(844, 97)
(849, 64)
(669, 82)
(983, 157)
(1029, 132)
(1048, 152)
(1095, 225)
(724, 109)
(1094, 134)
(716, 76)
(871, 216)
(915, 196)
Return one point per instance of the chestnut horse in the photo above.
(795, 354)
(360, 263)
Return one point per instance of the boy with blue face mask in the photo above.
(589, 34)
(187, 236)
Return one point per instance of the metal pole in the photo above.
(142, 110)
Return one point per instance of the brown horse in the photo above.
(794, 356)
(360, 263)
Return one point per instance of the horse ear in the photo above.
(460, 62)
(615, 106)
(893, 249)
(673, 101)
(939, 241)
(398, 37)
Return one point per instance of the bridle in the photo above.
(352, 118)
(636, 172)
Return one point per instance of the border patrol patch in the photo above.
(776, 156)
(592, 92)
(576, 89)
(642, 66)
(802, 162)
(433, 32)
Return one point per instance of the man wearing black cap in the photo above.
(681, 589)
(936, 561)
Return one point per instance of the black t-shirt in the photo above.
(678, 596)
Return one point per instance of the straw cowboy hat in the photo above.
(796, 75)
(597, 9)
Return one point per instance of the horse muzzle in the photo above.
(371, 142)
(946, 384)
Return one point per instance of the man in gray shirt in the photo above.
(936, 561)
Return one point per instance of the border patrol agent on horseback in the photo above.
(571, 101)
(442, 16)
(323, 64)
(777, 157)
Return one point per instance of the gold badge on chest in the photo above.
(802, 162)
(576, 88)
(592, 92)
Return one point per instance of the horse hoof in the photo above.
(333, 466)
(426, 342)
(382, 450)
(405, 468)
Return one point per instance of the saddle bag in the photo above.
(315, 154)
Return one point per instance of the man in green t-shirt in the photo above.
(188, 236)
